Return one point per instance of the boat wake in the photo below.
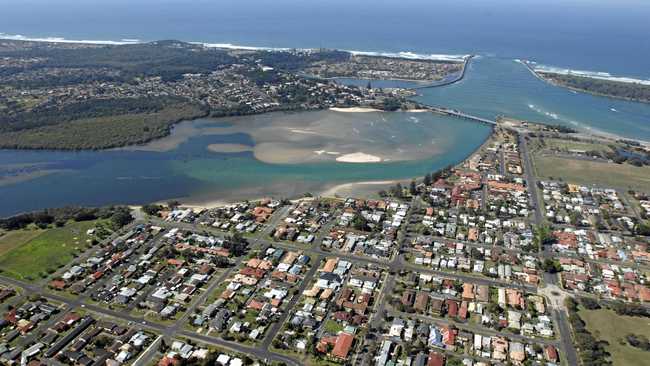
(556, 117)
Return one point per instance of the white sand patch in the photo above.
(358, 157)
(321, 152)
(303, 132)
(357, 189)
(355, 110)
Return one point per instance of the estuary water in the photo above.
(190, 171)
(595, 35)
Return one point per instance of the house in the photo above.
(550, 353)
(452, 307)
(436, 306)
(421, 301)
(468, 291)
(342, 346)
(436, 359)
(408, 298)
(517, 353)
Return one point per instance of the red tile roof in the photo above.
(342, 346)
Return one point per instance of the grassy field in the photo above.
(332, 327)
(12, 239)
(45, 251)
(575, 145)
(607, 325)
(623, 176)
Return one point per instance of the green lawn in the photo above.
(605, 324)
(621, 176)
(44, 252)
(332, 327)
(12, 239)
(575, 145)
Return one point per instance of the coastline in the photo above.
(426, 84)
(460, 77)
(538, 75)
(229, 46)
(354, 109)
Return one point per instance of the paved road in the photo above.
(566, 338)
(275, 328)
(538, 217)
(395, 265)
(472, 328)
(468, 278)
(142, 323)
(562, 322)
(200, 300)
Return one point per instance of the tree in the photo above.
(543, 236)
(391, 104)
(427, 179)
(397, 190)
(121, 217)
(85, 215)
(413, 188)
(360, 223)
(151, 209)
(551, 266)
(643, 228)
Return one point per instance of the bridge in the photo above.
(459, 114)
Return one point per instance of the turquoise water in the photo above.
(495, 86)
(194, 174)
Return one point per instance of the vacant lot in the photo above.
(623, 176)
(606, 325)
(28, 258)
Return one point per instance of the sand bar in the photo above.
(229, 148)
(355, 110)
(358, 157)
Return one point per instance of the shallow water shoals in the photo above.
(184, 165)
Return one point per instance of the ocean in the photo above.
(599, 35)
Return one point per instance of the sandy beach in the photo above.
(357, 189)
(355, 110)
